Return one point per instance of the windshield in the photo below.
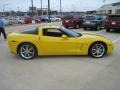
(68, 17)
(115, 17)
(70, 33)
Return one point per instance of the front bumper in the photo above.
(110, 48)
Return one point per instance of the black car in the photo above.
(43, 18)
(93, 22)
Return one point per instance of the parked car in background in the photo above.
(43, 18)
(7, 21)
(112, 22)
(94, 22)
(30, 20)
(58, 17)
(72, 21)
(21, 21)
(54, 18)
(38, 21)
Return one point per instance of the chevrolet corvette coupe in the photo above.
(53, 40)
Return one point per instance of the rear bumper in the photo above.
(68, 25)
(112, 27)
(89, 25)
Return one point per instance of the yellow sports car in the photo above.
(53, 40)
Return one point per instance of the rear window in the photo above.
(72, 17)
(77, 17)
(114, 17)
(68, 17)
(32, 31)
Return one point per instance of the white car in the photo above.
(6, 21)
(54, 19)
(21, 21)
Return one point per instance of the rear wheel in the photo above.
(107, 30)
(66, 27)
(97, 50)
(85, 28)
(27, 51)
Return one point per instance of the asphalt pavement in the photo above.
(60, 72)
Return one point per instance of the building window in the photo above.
(117, 11)
(109, 11)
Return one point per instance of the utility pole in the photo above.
(60, 8)
(49, 11)
(4, 8)
(32, 7)
(41, 6)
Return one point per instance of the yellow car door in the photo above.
(58, 45)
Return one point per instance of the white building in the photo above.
(113, 8)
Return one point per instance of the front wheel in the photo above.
(85, 28)
(27, 51)
(97, 50)
(107, 30)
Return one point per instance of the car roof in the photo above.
(49, 26)
(114, 15)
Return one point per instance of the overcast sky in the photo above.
(67, 5)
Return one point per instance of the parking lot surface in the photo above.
(60, 72)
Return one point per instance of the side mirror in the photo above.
(64, 36)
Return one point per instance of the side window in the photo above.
(52, 32)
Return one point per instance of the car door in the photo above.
(52, 43)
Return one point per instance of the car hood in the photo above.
(93, 35)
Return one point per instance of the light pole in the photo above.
(60, 8)
(41, 6)
(4, 8)
(32, 6)
(49, 11)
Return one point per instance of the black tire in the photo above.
(66, 27)
(107, 30)
(27, 51)
(85, 28)
(19, 23)
(97, 50)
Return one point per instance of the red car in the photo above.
(31, 20)
(72, 21)
(112, 22)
